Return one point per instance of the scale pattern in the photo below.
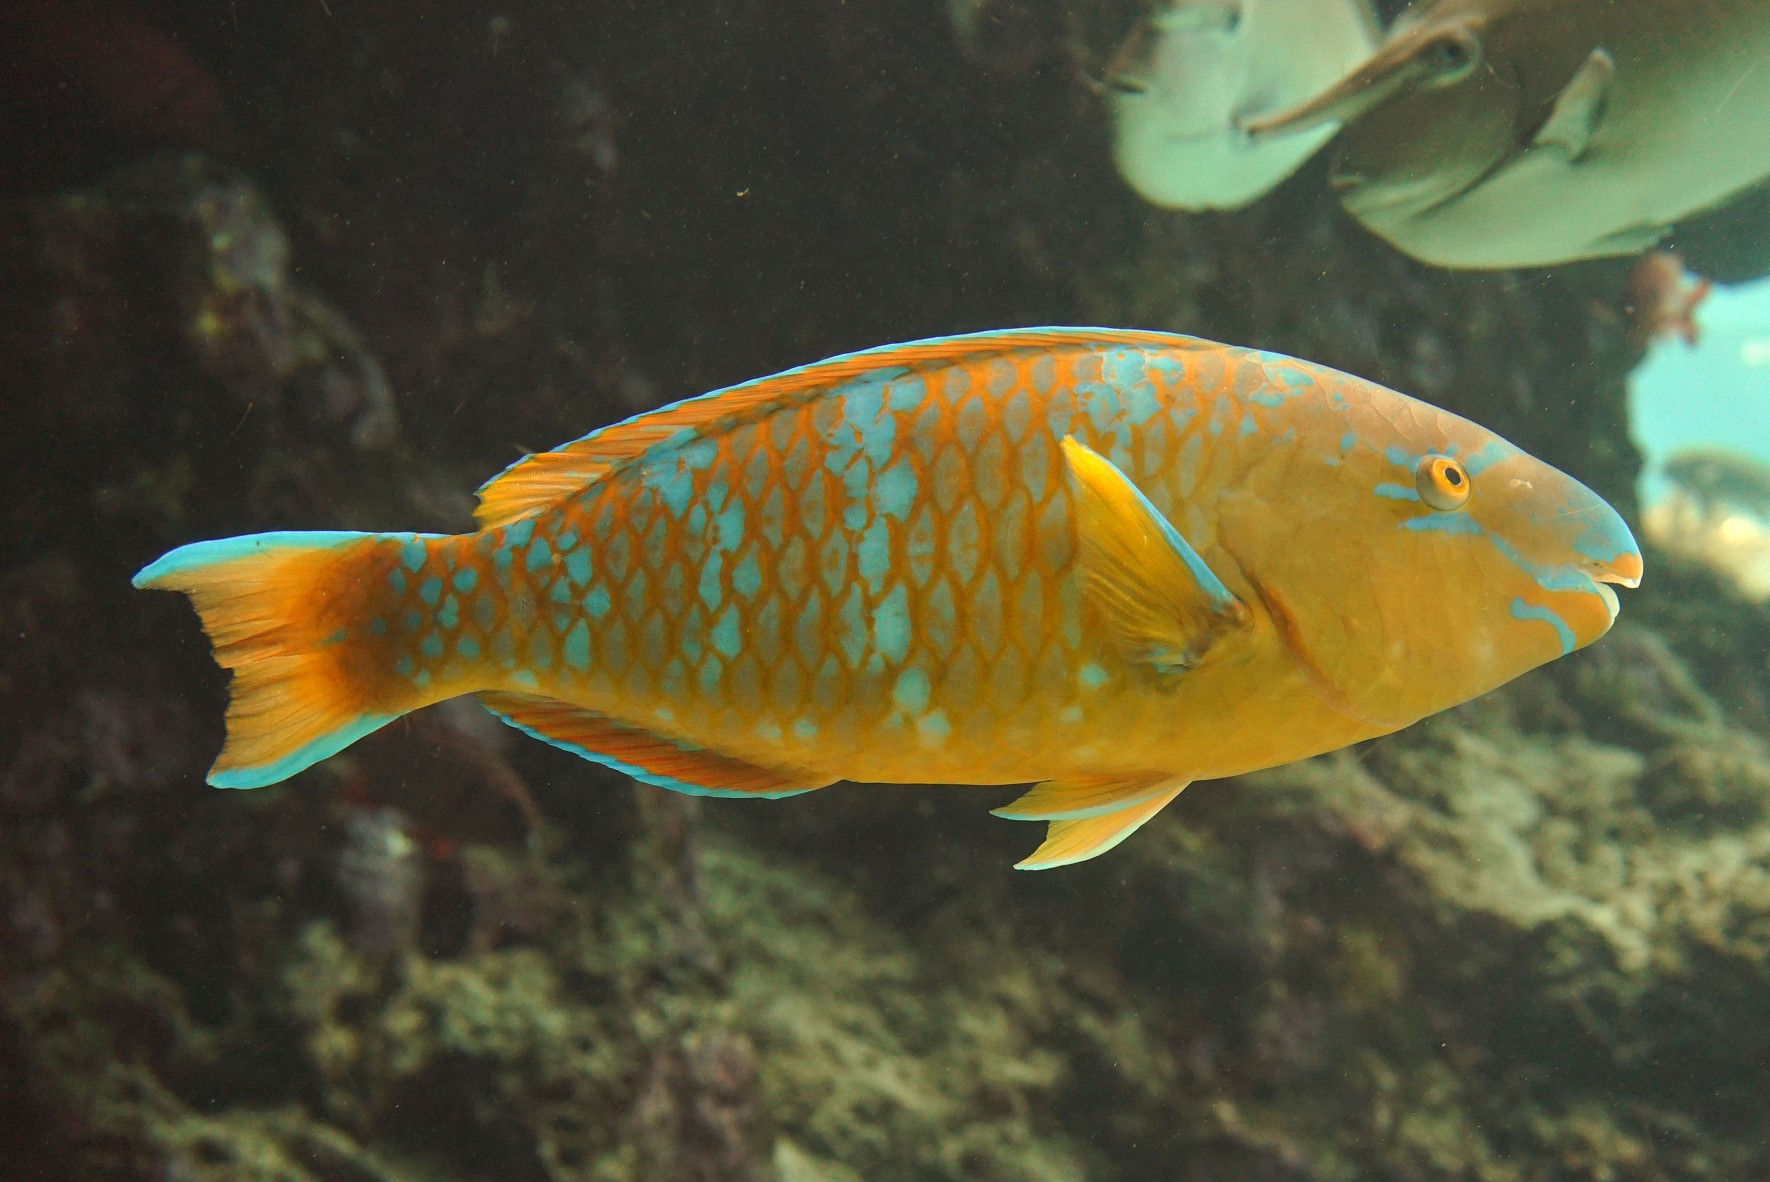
(881, 571)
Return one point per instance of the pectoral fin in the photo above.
(1580, 107)
(1068, 842)
(1162, 604)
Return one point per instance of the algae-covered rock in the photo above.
(1471, 951)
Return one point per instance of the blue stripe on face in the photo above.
(1445, 523)
(1487, 456)
(1524, 610)
(1549, 578)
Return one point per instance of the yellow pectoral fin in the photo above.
(1074, 798)
(1068, 842)
(653, 758)
(1163, 605)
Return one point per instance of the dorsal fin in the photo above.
(540, 480)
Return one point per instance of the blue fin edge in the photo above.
(1088, 855)
(1112, 843)
(303, 757)
(201, 554)
(639, 773)
(1219, 596)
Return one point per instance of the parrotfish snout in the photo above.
(1570, 547)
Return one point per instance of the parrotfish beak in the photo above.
(1611, 559)
(1624, 571)
(1368, 86)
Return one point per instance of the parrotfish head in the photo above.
(1425, 560)
(1186, 66)
(1429, 115)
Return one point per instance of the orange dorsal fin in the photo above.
(646, 755)
(1068, 842)
(540, 480)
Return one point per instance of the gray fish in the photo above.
(1510, 133)
(1195, 70)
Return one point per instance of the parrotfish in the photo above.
(1195, 70)
(1103, 562)
(1514, 133)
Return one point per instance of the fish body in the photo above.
(1108, 561)
(1197, 69)
(1506, 133)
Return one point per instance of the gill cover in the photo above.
(1429, 569)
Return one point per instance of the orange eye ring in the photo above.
(1442, 483)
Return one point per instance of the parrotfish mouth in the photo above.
(1624, 571)
(1609, 598)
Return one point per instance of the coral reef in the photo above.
(1522, 942)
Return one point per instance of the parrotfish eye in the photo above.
(1452, 57)
(1442, 483)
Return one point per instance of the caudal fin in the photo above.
(278, 608)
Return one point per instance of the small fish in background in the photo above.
(1720, 480)
(1663, 298)
(1108, 561)
(1521, 133)
(1196, 70)
(1717, 514)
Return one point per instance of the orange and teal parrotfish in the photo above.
(1104, 562)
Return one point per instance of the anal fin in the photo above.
(643, 754)
(1068, 842)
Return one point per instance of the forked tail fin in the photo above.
(284, 612)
